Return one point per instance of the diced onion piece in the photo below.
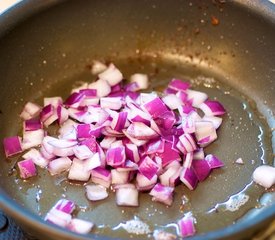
(78, 171)
(30, 110)
(140, 79)
(82, 152)
(162, 235)
(148, 167)
(113, 103)
(141, 131)
(27, 168)
(102, 87)
(107, 141)
(188, 143)
(264, 175)
(189, 178)
(196, 97)
(116, 156)
(101, 176)
(32, 138)
(199, 154)
(98, 67)
(62, 114)
(212, 108)
(32, 125)
(171, 175)
(119, 121)
(54, 101)
(119, 177)
(187, 226)
(12, 146)
(169, 154)
(59, 165)
(127, 196)
(80, 226)
(213, 161)
(178, 85)
(132, 152)
(205, 133)
(145, 184)
(172, 101)
(162, 194)
(216, 121)
(201, 169)
(36, 157)
(155, 107)
(96, 192)
(58, 217)
(112, 75)
(64, 205)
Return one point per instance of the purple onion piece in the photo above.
(12, 146)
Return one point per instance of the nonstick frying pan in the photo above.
(224, 48)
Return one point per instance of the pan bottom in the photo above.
(217, 202)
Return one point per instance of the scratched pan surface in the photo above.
(224, 49)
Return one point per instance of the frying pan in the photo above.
(224, 48)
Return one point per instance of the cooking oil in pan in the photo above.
(224, 197)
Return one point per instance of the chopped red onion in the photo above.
(94, 162)
(140, 79)
(171, 175)
(27, 168)
(131, 152)
(74, 99)
(178, 85)
(32, 138)
(112, 75)
(96, 192)
(82, 152)
(102, 87)
(12, 146)
(188, 160)
(162, 194)
(141, 131)
(119, 121)
(205, 133)
(30, 110)
(172, 101)
(199, 154)
(119, 177)
(58, 217)
(116, 156)
(213, 161)
(155, 146)
(155, 107)
(127, 196)
(78, 171)
(188, 143)
(148, 167)
(264, 175)
(216, 121)
(64, 205)
(187, 226)
(32, 125)
(54, 101)
(36, 157)
(145, 184)
(212, 108)
(101, 176)
(62, 114)
(169, 155)
(107, 141)
(59, 165)
(201, 169)
(47, 112)
(135, 141)
(98, 67)
(113, 103)
(196, 97)
(80, 226)
(189, 178)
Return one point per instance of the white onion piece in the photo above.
(30, 110)
(113, 103)
(58, 217)
(96, 192)
(98, 67)
(59, 165)
(102, 87)
(264, 175)
(78, 171)
(93, 162)
(82, 152)
(36, 157)
(216, 121)
(119, 177)
(80, 226)
(112, 75)
(172, 101)
(144, 184)
(205, 133)
(196, 97)
(127, 196)
(140, 79)
(32, 138)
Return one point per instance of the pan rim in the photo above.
(13, 209)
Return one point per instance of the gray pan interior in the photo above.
(47, 54)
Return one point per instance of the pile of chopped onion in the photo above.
(110, 134)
